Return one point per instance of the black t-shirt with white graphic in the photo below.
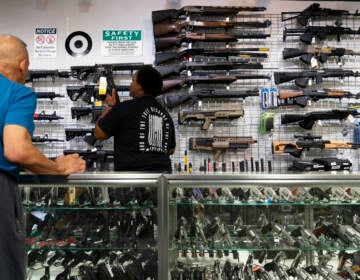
(143, 135)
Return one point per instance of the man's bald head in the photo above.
(14, 58)
(12, 49)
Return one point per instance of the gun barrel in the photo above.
(47, 94)
(176, 68)
(48, 117)
(164, 28)
(45, 138)
(163, 56)
(171, 41)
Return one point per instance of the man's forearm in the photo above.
(39, 164)
(19, 149)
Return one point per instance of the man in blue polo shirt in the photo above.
(18, 104)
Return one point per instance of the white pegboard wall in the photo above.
(248, 125)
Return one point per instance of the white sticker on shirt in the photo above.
(154, 131)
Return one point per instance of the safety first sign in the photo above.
(45, 40)
(121, 43)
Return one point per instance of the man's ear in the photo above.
(23, 65)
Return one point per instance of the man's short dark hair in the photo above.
(150, 80)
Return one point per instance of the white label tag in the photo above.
(102, 85)
(351, 118)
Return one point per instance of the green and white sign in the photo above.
(121, 43)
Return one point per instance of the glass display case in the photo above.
(152, 226)
(290, 226)
(92, 226)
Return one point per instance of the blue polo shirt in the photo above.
(17, 106)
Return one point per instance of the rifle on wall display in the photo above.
(164, 28)
(171, 101)
(303, 78)
(314, 11)
(176, 68)
(184, 53)
(207, 117)
(308, 33)
(319, 54)
(308, 141)
(166, 42)
(308, 120)
(220, 144)
(186, 11)
(207, 79)
(303, 96)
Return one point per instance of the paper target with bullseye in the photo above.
(78, 43)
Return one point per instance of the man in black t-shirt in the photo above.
(143, 130)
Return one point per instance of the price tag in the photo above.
(351, 118)
(102, 86)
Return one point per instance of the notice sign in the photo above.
(45, 43)
(121, 43)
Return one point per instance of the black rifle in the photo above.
(305, 142)
(314, 11)
(301, 97)
(83, 72)
(307, 120)
(173, 14)
(93, 158)
(176, 68)
(71, 133)
(320, 32)
(165, 42)
(172, 101)
(78, 112)
(208, 116)
(89, 92)
(106, 70)
(164, 28)
(320, 53)
(41, 74)
(47, 94)
(161, 57)
(45, 138)
(42, 116)
(208, 79)
(302, 78)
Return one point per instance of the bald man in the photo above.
(18, 104)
